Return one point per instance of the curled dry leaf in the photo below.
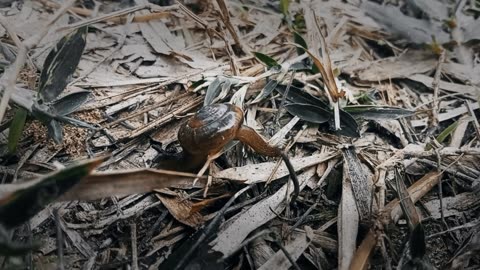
(181, 209)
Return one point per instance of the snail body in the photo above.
(209, 130)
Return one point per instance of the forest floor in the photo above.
(375, 104)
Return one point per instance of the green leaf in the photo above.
(55, 131)
(74, 122)
(348, 125)
(442, 136)
(374, 112)
(60, 64)
(267, 60)
(284, 4)
(297, 95)
(298, 39)
(266, 91)
(16, 128)
(19, 206)
(367, 98)
(309, 113)
(197, 84)
(70, 103)
(299, 21)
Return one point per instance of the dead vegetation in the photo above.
(375, 104)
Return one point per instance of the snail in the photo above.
(205, 134)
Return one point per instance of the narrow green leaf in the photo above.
(19, 206)
(266, 91)
(376, 112)
(299, 21)
(298, 39)
(61, 63)
(446, 132)
(70, 103)
(16, 129)
(74, 122)
(348, 125)
(443, 135)
(197, 84)
(309, 113)
(267, 60)
(297, 95)
(55, 131)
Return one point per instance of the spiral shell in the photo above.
(210, 129)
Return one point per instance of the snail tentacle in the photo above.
(251, 138)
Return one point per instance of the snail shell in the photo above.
(210, 129)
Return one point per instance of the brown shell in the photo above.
(210, 129)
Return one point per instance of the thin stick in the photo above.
(133, 231)
(435, 85)
(210, 158)
(289, 257)
(293, 175)
(284, 98)
(122, 12)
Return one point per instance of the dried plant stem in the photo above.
(133, 232)
(115, 14)
(231, 29)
